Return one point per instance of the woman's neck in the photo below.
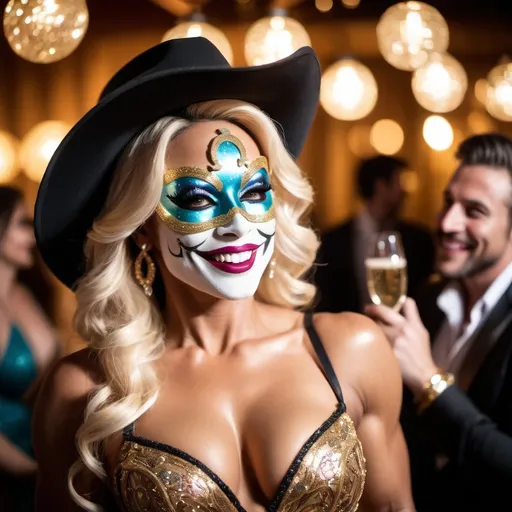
(194, 318)
(7, 280)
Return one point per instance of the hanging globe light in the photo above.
(348, 90)
(196, 26)
(408, 31)
(440, 85)
(499, 92)
(438, 133)
(9, 167)
(273, 38)
(45, 31)
(38, 146)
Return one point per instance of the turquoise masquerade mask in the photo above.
(195, 199)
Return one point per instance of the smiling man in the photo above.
(455, 349)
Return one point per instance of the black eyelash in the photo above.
(259, 186)
(180, 199)
(189, 192)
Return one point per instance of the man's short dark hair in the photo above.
(490, 149)
(377, 168)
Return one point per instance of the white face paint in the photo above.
(217, 226)
(225, 262)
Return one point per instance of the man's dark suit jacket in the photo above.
(470, 424)
(336, 276)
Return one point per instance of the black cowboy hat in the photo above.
(161, 81)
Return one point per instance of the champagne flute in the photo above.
(386, 270)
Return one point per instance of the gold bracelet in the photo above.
(439, 382)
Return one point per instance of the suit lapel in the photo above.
(485, 340)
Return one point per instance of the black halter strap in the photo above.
(327, 367)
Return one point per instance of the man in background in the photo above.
(455, 348)
(340, 274)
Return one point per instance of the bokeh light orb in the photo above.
(480, 90)
(387, 136)
(348, 90)
(441, 84)
(38, 146)
(438, 133)
(408, 31)
(45, 31)
(499, 92)
(202, 29)
(273, 38)
(9, 162)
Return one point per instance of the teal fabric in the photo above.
(18, 371)
(18, 368)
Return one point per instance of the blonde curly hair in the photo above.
(113, 314)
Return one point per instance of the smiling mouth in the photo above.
(231, 259)
(452, 246)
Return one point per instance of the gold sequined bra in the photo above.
(327, 474)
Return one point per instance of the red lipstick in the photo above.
(230, 267)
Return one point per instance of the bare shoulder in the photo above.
(359, 351)
(63, 397)
(58, 414)
(351, 333)
(73, 375)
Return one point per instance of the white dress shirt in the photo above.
(455, 338)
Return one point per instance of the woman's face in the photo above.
(216, 221)
(17, 244)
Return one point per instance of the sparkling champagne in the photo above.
(387, 280)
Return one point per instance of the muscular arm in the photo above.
(14, 461)
(388, 486)
(58, 414)
(377, 379)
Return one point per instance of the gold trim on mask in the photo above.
(252, 168)
(191, 228)
(225, 136)
(193, 172)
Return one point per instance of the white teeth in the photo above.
(237, 257)
(453, 245)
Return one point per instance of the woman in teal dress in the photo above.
(28, 344)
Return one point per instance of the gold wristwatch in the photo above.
(438, 383)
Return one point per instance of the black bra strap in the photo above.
(129, 430)
(323, 357)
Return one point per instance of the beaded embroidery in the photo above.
(328, 474)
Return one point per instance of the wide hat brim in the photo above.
(76, 182)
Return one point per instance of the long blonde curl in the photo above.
(122, 327)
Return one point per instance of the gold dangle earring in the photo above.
(147, 280)
(272, 272)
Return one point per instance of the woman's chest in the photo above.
(327, 472)
(250, 429)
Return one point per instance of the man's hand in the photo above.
(410, 342)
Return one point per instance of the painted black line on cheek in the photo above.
(180, 254)
(187, 248)
(267, 238)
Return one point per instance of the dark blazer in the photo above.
(335, 274)
(470, 424)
